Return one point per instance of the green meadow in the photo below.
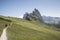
(19, 29)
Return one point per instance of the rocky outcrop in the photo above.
(26, 16)
(35, 15)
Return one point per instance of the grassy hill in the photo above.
(3, 22)
(20, 29)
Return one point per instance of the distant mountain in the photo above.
(51, 20)
(35, 15)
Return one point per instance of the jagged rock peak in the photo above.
(35, 15)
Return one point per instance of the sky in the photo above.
(17, 8)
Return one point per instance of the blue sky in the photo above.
(17, 8)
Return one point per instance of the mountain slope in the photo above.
(24, 30)
(51, 20)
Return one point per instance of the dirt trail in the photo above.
(3, 36)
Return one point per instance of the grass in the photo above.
(2, 25)
(26, 33)
(25, 30)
